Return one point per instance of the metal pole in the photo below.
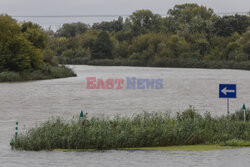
(16, 132)
(227, 106)
(244, 115)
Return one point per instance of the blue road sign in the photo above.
(227, 90)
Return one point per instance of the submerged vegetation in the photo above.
(142, 130)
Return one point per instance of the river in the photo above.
(31, 103)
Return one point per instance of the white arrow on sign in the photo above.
(225, 91)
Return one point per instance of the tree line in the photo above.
(190, 36)
(189, 33)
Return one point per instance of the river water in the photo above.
(31, 103)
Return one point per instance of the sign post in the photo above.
(227, 91)
(244, 110)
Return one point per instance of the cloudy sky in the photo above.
(97, 7)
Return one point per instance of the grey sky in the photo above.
(94, 7)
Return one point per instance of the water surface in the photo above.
(33, 102)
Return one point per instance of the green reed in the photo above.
(142, 130)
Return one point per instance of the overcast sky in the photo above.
(95, 7)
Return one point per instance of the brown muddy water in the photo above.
(31, 103)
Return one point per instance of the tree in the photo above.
(199, 44)
(87, 39)
(35, 34)
(227, 25)
(16, 52)
(178, 47)
(202, 46)
(102, 48)
(148, 44)
(190, 18)
(246, 49)
(235, 52)
(144, 21)
(71, 30)
(50, 57)
(121, 49)
(184, 13)
(245, 42)
(115, 25)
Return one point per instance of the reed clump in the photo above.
(142, 130)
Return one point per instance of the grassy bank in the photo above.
(163, 62)
(142, 130)
(47, 72)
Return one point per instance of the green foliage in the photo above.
(237, 142)
(115, 25)
(76, 56)
(35, 34)
(136, 60)
(188, 114)
(24, 53)
(16, 52)
(178, 46)
(102, 47)
(8, 76)
(190, 36)
(143, 21)
(234, 51)
(124, 35)
(141, 130)
(186, 12)
(239, 115)
(71, 30)
(191, 18)
(121, 49)
(50, 57)
(228, 25)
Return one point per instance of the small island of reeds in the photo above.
(143, 130)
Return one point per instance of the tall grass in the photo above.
(142, 130)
